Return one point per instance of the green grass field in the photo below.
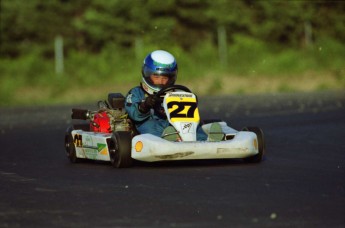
(250, 68)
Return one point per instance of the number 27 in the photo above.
(180, 107)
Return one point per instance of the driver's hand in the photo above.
(149, 103)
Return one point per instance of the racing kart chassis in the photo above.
(109, 135)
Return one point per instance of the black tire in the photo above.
(70, 147)
(120, 149)
(261, 145)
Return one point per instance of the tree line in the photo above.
(92, 25)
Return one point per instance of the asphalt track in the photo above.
(300, 184)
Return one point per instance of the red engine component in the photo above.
(101, 123)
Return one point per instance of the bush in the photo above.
(247, 57)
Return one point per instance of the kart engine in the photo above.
(111, 115)
(109, 120)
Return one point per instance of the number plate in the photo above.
(181, 107)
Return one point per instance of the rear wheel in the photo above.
(120, 149)
(70, 147)
(261, 145)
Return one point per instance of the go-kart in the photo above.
(110, 135)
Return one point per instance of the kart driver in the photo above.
(144, 108)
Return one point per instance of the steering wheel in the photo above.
(164, 90)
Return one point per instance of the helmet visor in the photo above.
(148, 72)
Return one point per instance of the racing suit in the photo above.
(152, 122)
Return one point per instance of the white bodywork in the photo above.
(91, 145)
(150, 148)
(182, 112)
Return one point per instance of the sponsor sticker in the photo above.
(187, 128)
(129, 98)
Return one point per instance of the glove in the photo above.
(149, 103)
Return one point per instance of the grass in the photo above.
(251, 68)
(208, 85)
(235, 84)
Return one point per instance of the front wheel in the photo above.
(120, 149)
(261, 145)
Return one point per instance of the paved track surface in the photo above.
(300, 184)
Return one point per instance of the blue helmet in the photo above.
(158, 63)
